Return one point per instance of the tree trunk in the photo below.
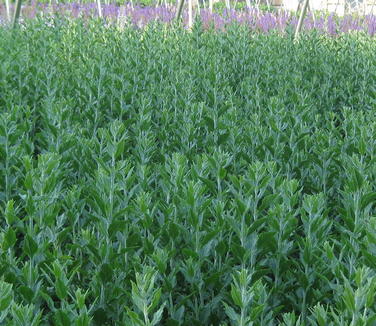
(301, 18)
(99, 8)
(190, 14)
(17, 12)
(7, 7)
(180, 9)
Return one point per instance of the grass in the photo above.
(166, 177)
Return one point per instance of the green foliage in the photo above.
(145, 299)
(172, 177)
(242, 5)
(221, 5)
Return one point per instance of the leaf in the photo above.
(157, 316)
(267, 200)
(213, 278)
(83, 320)
(9, 239)
(190, 253)
(371, 321)
(370, 296)
(120, 148)
(62, 319)
(222, 173)
(100, 316)
(128, 122)
(368, 199)
(236, 296)
(223, 137)
(209, 123)
(256, 311)
(117, 226)
(349, 299)
(370, 259)
(30, 246)
(267, 241)
(10, 215)
(257, 224)
(106, 273)
(238, 251)
(6, 295)
(28, 181)
(134, 317)
(174, 230)
(230, 312)
(27, 293)
(155, 301)
(172, 322)
(359, 179)
(61, 289)
(222, 247)
(209, 236)
(48, 300)
(209, 184)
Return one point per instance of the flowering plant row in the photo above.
(255, 19)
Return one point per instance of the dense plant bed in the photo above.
(167, 177)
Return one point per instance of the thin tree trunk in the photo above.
(180, 9)
(248, 2)
(211, 6)
(99, 8)
(301, 18)
(7, 7)
(198, 9)
(190, 14)
(17, 12)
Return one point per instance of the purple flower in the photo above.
(371, 24)
(332, 27)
